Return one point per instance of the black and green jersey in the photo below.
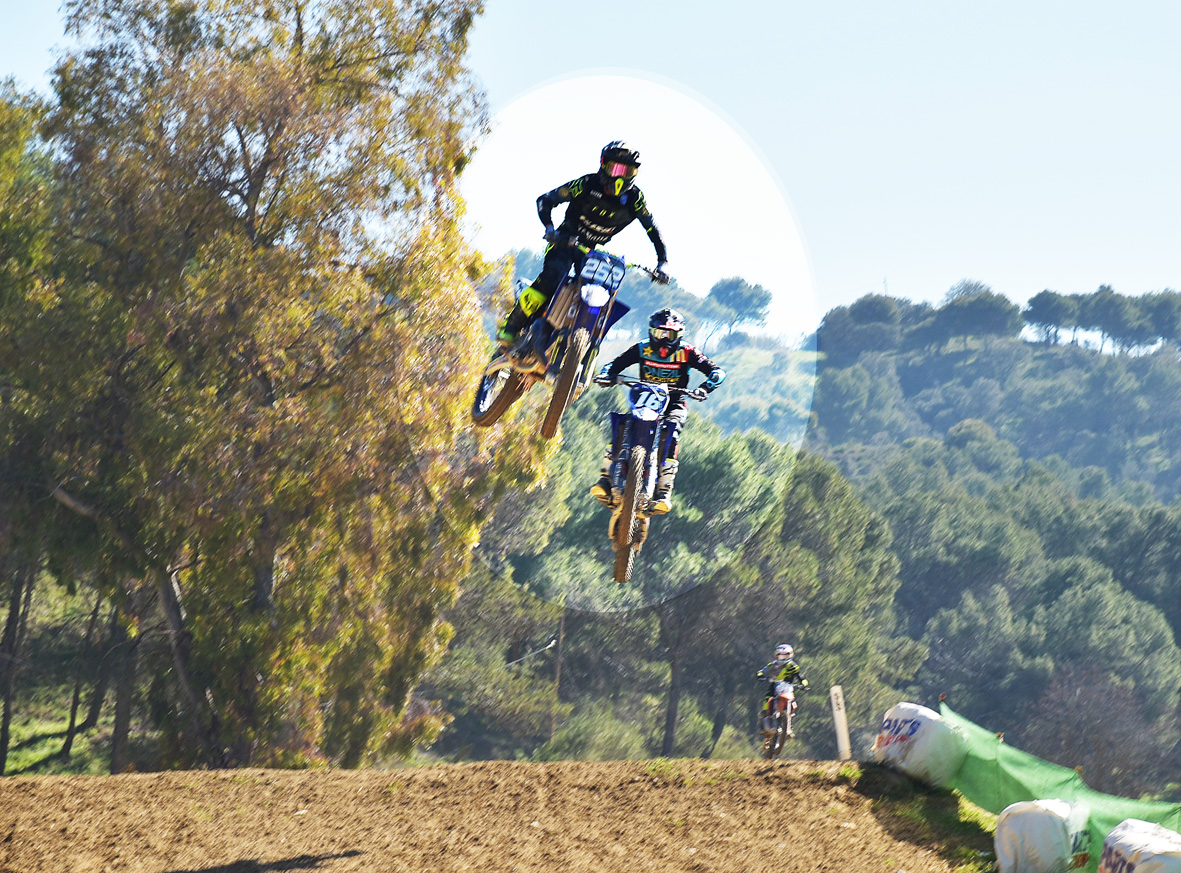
(781, 671)
(595, 215)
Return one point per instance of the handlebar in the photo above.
(698, 393)
(653, 274)
(795, 686)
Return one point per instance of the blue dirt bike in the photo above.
(636, 465)
(558, 348)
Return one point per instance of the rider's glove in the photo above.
(715, 378)
(550, 234)
(699, 394)
(658, 275)
(559, 238)
(604, 377)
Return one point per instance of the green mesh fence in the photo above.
(994, 775)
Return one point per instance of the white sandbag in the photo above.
(918, 742)
(1135, 846)
(1042, 836)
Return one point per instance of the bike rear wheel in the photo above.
(576, 349)
(625, 525)
(500, 387)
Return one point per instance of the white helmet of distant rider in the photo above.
(784, 652)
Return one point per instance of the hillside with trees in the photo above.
(894, 370)
(1030, 485)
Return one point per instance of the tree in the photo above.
(1105, 625)
(740, 302)
(501, 677)
(871, 324)
(1116, 747)
(25, 422)
(985, 655)
(1050, 312)
(876, 309)
(1162, 309)
(273, 423)
(825, 558)
(1116, 317)
(966, 288)
(979, 313)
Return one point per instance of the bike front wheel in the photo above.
(773, 744)
(625, 525)
(499, 388)
(576, 349)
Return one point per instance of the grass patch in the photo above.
(663, 768)
(942, 820)
(849, 773)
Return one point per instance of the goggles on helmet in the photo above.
(663, 333)
(616, 169)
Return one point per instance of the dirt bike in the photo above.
(559, 347)
(637, 465)
(775, 719)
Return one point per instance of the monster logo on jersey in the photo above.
(663, 369)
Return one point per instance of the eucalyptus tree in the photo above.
(24, 417)
(264, 195)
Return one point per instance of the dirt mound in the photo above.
(603, 817)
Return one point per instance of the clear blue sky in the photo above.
(1027, 145)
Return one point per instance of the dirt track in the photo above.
(602, 817)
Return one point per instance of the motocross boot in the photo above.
(509, 329)
(662, 496)
(528, 304)
(601, 490)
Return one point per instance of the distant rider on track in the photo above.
(782, 669)
(600, 205)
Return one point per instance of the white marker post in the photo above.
(844, 748)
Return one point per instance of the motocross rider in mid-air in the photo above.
(665, 360)
(600, 205)
(782, 669)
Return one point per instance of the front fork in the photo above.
(626, 431)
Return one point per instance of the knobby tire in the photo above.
(514, 386)
(773, 745)
(576, 349)
(625, 525)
